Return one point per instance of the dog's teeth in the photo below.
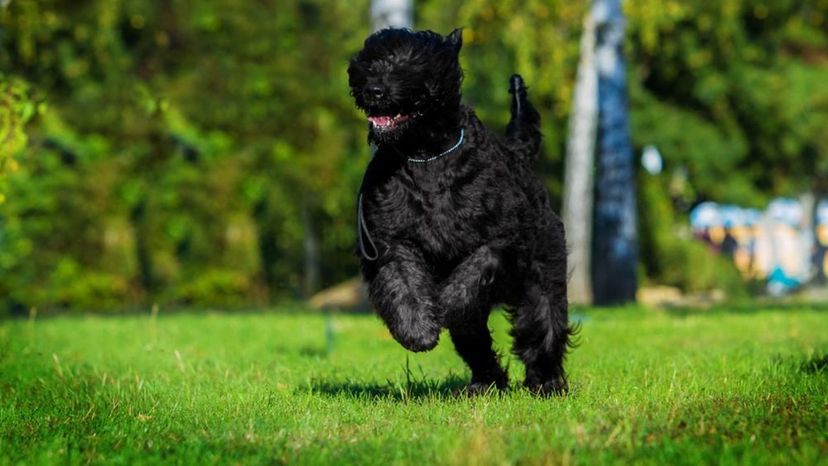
(387, 121)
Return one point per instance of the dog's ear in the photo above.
(456, 39)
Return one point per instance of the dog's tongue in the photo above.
(381, 120)
(386, 121)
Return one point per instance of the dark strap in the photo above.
(363, 229)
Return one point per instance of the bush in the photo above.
(212, 288)
(671, 256)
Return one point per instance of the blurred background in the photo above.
(208, 154)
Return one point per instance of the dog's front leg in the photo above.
(466, 289)
(403, 293)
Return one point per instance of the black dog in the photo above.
(452, 219)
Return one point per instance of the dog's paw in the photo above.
(418, 341)
(478, 389)
(416, 327)
(553, 387)
(492, 381)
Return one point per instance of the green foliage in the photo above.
(743, 81)
(15, 110)
(201, 152)
(733, 95)
(198, 135)
(670, 254)
(722, 386)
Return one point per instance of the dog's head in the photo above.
(402, 78)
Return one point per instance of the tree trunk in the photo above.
(615, 258)
(807, 235)
(578, 177)
(392, 13)
(310, 245)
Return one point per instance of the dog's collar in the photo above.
(444, 153)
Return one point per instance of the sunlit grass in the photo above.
(748, 387)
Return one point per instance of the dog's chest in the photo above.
(440, 217)
(446, 220)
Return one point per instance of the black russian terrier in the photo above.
(452, 219)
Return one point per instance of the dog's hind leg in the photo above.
(541, 335)
(523, 134)
(473, 343)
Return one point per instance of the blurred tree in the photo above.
(748, 71)
(221, 145)
(15, 110)
(615, 239)
(392, 13)
(580, 165)
(199, 152)
(731, 93)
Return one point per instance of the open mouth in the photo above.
(387, 122)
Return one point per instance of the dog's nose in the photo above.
(374, 91)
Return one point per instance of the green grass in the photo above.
(739, 387)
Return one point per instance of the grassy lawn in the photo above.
(653, 387)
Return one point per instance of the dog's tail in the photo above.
(523, 135)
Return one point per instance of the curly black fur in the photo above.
(459, 234)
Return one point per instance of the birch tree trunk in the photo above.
(578, 176)
(615, 242)
(392, 13)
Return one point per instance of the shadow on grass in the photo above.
(450, 387)
(816, 364)
(305, 351)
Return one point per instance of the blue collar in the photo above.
(445, 152)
